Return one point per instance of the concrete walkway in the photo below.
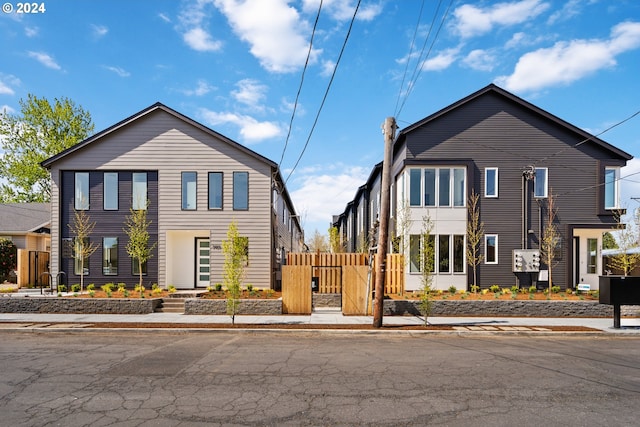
(630, 326)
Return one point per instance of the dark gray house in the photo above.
(192, 180)
(514, 155)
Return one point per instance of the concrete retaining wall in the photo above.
(79, 305)
(508, 308)
(219, 306)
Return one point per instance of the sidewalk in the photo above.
(630, 326)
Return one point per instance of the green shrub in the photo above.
(474, 288)
(92, 293)
(125, 293)
(250, 287)
(452, 289)
(494, 288)
(107, 287)
(555, 289)
(121, 287)
(8, 258)
(514, 289)
(172, 289)
(154, 286)
(62, 288)
(74, 288)
(532, 289)
(218, 287)
(91, 287)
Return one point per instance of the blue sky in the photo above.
(236, 66)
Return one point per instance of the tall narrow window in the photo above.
(491, 249)
(414, 187)
(592, 256)
(110, 256)
(189, 190)
(135, 267)
(81, 201)
(444, 257)
(541, 183)
(491, 182)
(110, 191)
(611, 180)
(240, 191)
(458, 187)
(80, 264)
(430, 187)
(215, 190)
(139, 191)
(458, 253)
(444, 187)
(414, 253)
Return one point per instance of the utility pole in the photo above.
(389, 130)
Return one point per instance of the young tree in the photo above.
(43, 130)
(475, 232)
(626, 258)
(8, 258)
(427, 266)
(236, 256)
(335, 246)
(318, 242)
(82, 247)
(550, 237)
(138, 248)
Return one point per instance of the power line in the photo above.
(406, 68)
(306, 63)
(420, 64)
(326, 93)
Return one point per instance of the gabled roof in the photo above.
(492, 88)
(20, 218)
(153, 108)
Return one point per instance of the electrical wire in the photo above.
(326, 93)
(420, 63)
(306, 63)
(413, 41)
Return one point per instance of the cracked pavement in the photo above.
(123, 378)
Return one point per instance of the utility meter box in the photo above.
(526, 260)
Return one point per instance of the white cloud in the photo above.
(31, 31)
(342, 10)
(250, 92)
(6, 83)
(251, 130)
(274, 30)
(119, 71)
(164, 17)
(327, 68)
(568, 11)
(480, 59)
(202, 88)
(442, 60)
(314, 202)
(470, 20)
(566, 62)
(45, 59)
(99, 30)
(200, 40)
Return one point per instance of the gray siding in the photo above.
(160, 141)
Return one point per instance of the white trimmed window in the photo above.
(541, 183)
(611, 188)
(491, 249)
(491, 182)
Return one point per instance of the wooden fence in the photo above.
(31, 265)
(327, 269)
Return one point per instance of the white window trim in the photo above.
(486, 237)
(496, 180)
(616, 188)
(546, 184)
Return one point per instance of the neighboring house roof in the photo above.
(618, 251)
(21, 218)
(492, 88)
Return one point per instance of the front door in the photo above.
(203, 262)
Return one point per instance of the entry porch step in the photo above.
(171, 305)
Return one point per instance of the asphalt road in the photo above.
(132, 378)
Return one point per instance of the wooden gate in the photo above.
(356, 301)
(31, 265)
(296, 289)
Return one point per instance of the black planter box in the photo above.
(617, 291)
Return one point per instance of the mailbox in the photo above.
(526, 260)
